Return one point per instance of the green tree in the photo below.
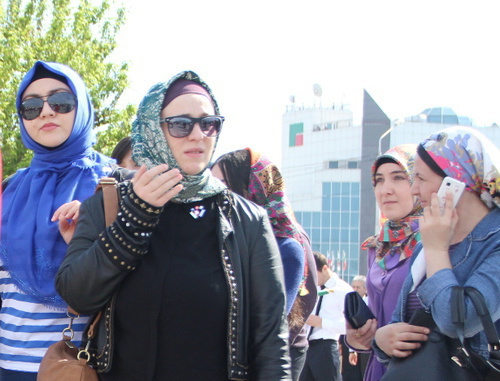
(78, 33)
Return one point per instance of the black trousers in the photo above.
(322, 361)
(352, 372)
(298, 357)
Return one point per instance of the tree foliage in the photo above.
(78, 33)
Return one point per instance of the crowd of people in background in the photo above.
(205, 267)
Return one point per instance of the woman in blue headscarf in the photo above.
(56, 119)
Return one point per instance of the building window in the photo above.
(352, 164)
(324, 126)
(296, 135)
(333, 165)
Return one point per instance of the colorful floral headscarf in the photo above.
(256, 178)
(467, 155)
(401, 236)
(267, 188)
(150, 147)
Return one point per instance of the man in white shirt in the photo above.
(327, 324)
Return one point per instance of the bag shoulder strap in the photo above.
(458, 315)
(110, 198)
(486, 320)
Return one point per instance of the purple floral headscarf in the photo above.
(467, 155)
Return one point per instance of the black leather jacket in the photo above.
(258, 345)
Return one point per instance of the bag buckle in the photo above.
(458, 361)
(84, 353)
(493, 347)
(69, 328)
(107, 181)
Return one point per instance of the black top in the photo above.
(175, 304)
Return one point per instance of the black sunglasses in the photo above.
(62, 103)
(181, 126)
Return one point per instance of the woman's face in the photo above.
(392, 191)
(425, 182)
(50, 128)
(192, 153)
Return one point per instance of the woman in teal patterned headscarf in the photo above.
(149, 146)
(196, 270)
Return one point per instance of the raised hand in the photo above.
(437, 231)
(157, 185)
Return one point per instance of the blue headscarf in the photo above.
(32, 248)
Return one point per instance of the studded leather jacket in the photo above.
(98, 260)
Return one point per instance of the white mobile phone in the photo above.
(452, 185)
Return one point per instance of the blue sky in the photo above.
(255, 55)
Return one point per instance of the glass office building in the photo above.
(321, 167)
(334, 231)
(326, 164)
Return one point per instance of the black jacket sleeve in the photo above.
(99, 258)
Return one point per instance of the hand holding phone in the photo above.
(455, 187)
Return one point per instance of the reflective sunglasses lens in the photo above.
(211, 125)
(180, 127)
(62, 102)
(31, 108)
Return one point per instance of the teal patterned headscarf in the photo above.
(150, 147)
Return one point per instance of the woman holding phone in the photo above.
(459, 248)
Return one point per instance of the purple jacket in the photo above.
(383, 288)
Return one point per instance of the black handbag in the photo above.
(443, 358)
(432, 361)
(356, 311)
(486, 369)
